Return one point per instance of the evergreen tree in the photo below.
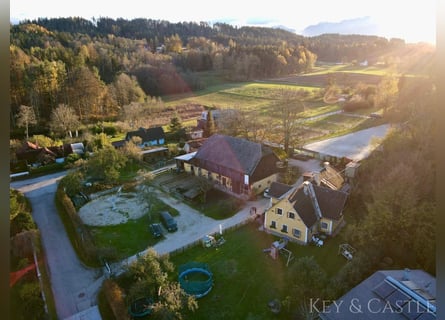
(210, 127)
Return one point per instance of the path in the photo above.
(74, 286)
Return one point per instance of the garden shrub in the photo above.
(113, 294)
(72, 157)
(356, 105)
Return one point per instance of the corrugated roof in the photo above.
(331, 178)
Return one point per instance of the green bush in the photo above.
(22, 222)
(72, 157)
(32, 303)
(47, 168)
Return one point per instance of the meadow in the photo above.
(246, 278)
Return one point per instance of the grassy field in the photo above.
(246, 278)
(244, 96)
(262, 96)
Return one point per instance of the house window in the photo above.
(324, 225)
(291, 215)
(280, 211)
(296, 233)
(273, 225)
(284, 228)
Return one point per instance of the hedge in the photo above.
(80, 236)
(113, 294)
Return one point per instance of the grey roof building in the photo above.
(244, 163)
(387, 295)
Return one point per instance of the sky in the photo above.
(413, 20)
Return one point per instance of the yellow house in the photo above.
(305, 210)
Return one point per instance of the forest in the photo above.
(98, 67)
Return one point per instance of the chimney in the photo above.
(309, 191)
(406, 274)
(306, 187)
(317, 178)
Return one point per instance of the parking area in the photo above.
(355, 146)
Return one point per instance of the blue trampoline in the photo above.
(195, 279)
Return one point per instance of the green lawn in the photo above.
(124, 240)
(246, 278)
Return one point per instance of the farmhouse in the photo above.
(301, 212)
(236, 166)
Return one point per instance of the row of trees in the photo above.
(97, 77)
(329, 47)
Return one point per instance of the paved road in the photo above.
(74, 286)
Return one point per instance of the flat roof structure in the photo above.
(186, 157)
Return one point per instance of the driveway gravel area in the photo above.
(192, 227)
(355, 146)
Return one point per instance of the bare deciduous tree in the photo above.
(64, 119)
(287, 110)
(25, 118)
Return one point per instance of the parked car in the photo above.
(156, 230)
(168, 221)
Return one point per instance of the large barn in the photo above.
(235, 165)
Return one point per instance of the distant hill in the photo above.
(364, 24)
